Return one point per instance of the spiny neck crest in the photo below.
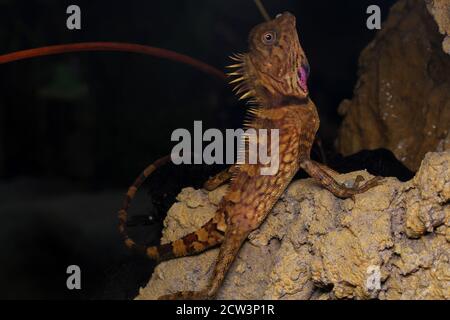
(242, 80)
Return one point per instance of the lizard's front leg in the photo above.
(323, 175)
(219, 179)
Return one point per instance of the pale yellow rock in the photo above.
(440, 10)
(392, 242)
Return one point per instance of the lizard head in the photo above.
(275, 66)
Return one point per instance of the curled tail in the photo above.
(209, 235)
(131, 193)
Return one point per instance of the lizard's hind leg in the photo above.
(227, 254)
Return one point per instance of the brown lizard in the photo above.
(273, 74)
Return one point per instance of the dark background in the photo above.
(76, 129)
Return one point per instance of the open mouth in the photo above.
(303, 73)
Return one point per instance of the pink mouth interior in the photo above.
(303, 79)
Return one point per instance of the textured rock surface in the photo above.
(402, 99)
(315, 246)
(440, 9)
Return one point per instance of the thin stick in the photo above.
(262, 10)
(112, 46)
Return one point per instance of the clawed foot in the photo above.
(368, 185)
(357, 188)
(357, 181)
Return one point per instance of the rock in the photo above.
(440, 10)
(392, 242)
(402, 98)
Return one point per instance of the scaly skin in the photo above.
(273, 74)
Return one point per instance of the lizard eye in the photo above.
(269, 37)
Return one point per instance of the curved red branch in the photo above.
(112, 46)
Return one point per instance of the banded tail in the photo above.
(209, 235)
